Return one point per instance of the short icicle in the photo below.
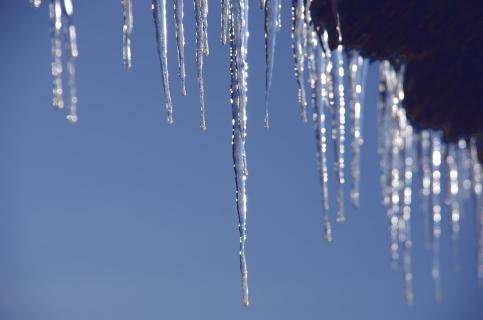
(299, 35)
(238, 88)
(436, 158)
(272, 8)
(126, 32)
(225, 7)
(159, 15)
(180, 42)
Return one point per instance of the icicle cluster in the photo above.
(63, 33)
(402, 149)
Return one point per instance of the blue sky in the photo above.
(123, 217)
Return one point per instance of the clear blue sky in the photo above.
(122, 217)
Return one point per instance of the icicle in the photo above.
(225, 6)
(357, 78)
(55, 10)
(126, 32)
(159, 15)
(396, 165)
(299, 35)
(406, 212)
(382, 148)
(320, 135)
(477, 186)
(204, 15)
(200, 44)
(72, 53)
(340, 142)
(452, 197)
(238, 74)
(272, 8)
(178, 23)
(436, 211)
(464, 168)
(425, 162)
(278, 22)
(36, 3)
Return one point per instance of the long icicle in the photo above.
(320, 132)
(405, 227)
(272, 8)
(238, 74)
(452, 198)
(299, 35)
(477, 190)
(382, 148)
(180, 42)
(200, 47)
(436, 157)
(425, 173)
(204, 12)
(55, 12)
(159, 15)
(72, 53)
(357, 78)
(126, 32)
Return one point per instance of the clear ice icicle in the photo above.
(436, 157)
(204, 15)
(321, 136)
(340, 140)
(357, 77)
(238, 89)
(55, 13)
(200, 47)
(159, 15)
(425, 172)
(405, 226)
(299, 39)
(70, 35)
(452, 197)
(225, 7)
(272, 8)
(477, 190)
(382, 107)
(178, 24)
(126, 32)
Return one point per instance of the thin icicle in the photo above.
(405, 226)
(72, 53)
(200, 44)
(396, 163)
(425, 172)
(204, 15)
(452, 198)
(225, 7)
(278, 22)
(340, 141)
(159, 15)
(126, 32)
(238, 74)
(272, 8)
(178, 23)
(357, 78)
(55, 11)
(477, 190)
(464, 169)
(321, 136)
(382, 148)
(299, 35)
(436, 157)
(36, 3)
